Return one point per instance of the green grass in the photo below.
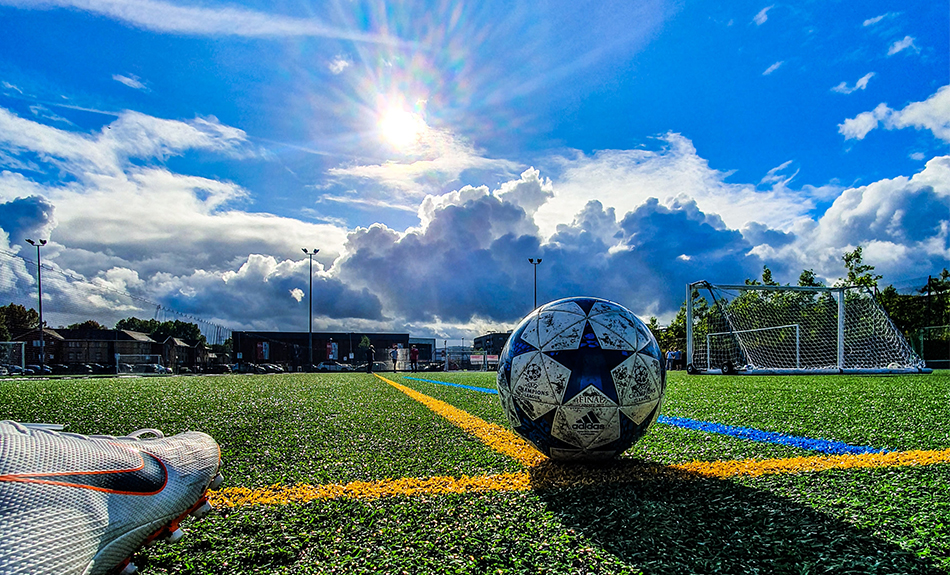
(336, 428)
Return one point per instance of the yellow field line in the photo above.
(556, 475)
(494, 436)
(545, 474)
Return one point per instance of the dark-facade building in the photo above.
(492, 343)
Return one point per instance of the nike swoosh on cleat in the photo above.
(148, 478)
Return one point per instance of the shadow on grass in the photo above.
(669, 521)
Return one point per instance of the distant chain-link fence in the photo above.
(69, 298)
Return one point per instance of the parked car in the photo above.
(218, 368)
(331, 365)
(42, 370)
(17, 370)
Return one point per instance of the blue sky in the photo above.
(187, 151)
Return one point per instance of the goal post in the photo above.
(13, 353)
(765, 329)
(140, 363)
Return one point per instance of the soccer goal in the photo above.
(12, 353)
(140, 363)
(763, 329)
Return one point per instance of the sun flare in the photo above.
(401, 128)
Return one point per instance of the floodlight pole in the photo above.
(39, 286)
(310, 254)
(535, 263)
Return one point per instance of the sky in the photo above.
(186, 152)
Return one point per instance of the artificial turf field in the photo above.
(352, 473)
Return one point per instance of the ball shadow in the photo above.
(663, 520)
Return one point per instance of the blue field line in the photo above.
(481, 389)
(822, 445)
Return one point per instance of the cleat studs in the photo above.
(216, 482)
(176, 535)
(202, 511)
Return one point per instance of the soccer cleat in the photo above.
(76, 504)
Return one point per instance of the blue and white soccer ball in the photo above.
(581, 378)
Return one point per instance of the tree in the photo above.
(139, 325)
(226, 347)
(88, 324)
(808, 279)
(655, 329)
(160, 331)
(859, 273)
(19, 320)
(364, 344)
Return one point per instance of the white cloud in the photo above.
(762, 16)
(338, 64)
(145, 217)
(861, 84)
(625, 179)
(901, 45)
(132, 135)
(932, 114)
(858, 127)
(896, 215)
(775, 177)
(436, 157)
(131, 81)
(202, 21)
(876, 19)
(773, 68)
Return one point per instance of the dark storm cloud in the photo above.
(469, 263)
(262, 293)
(465, 263)
(757, 234)
(23, 218)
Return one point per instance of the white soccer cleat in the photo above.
(74, 504)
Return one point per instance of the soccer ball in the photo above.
(581, 378)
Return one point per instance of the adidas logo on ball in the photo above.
(589, 421)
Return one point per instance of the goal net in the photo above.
(11, 353)
(140, 363)
(933, 344)
(791, 329)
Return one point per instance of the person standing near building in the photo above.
(394, 354)
(669, 359)
(370, 358)
(414, 358)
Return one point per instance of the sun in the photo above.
(401, 128)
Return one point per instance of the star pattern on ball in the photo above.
(590, 365)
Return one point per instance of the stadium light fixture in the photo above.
(39, 287)
(310, 254)
(535, 262)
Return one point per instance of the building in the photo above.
(64, 346)
(492, 343)
(289, 349)
(70, 348)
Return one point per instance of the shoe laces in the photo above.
(57, 429)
